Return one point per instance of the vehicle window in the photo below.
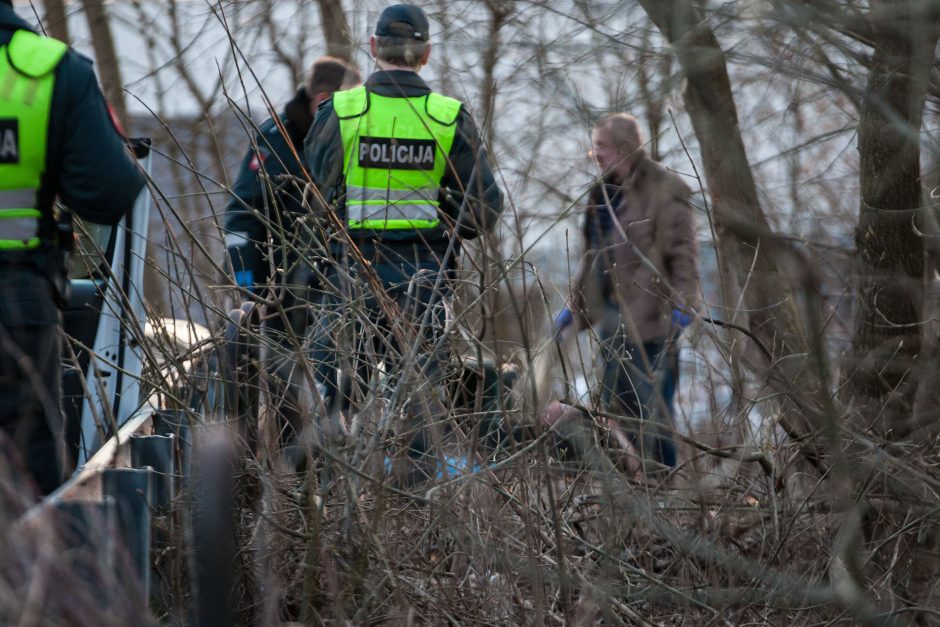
(91, 248)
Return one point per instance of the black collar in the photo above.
(397, 83)
(299, 120)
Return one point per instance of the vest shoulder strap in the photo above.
(351, 103)
(442, 108)
(34, 55)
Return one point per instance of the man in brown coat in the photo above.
(638, 281)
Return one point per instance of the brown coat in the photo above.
(651, 271)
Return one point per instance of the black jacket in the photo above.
(267, 193)
(88, 167)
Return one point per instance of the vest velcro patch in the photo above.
(396, 154)
(9, 141)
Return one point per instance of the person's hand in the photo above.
(562, 321)
(681, 319)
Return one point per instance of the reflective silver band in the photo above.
(371, 194)
(21, 229)
(17, 198)
(398, 211)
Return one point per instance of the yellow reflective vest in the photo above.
(394, 157)
(27, 78)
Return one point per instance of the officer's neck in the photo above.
(385, 66)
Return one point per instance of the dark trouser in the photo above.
(354, 332)
(31, 398)
(643, 385)
(292, 389)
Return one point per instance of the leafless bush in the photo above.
(808, 479)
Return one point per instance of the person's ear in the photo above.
(426, 55)
(373, 47)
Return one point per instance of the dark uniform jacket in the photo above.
(470, 198)
(268, 193)
(87, 166)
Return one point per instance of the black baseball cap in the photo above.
(405, 21)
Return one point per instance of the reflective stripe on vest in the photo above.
(18, 228)
(394, 157)
(27, 79)
(390, 209)
(17, 198)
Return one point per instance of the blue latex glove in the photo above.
(245, 278)
(681, 319)
(563, 320)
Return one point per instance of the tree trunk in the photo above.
(744, 233)
(56, 20)
(108, 69)
(499, 11)
(653, 96)
(925, 422)
(889, 252)
(746, 245)
(339, 42)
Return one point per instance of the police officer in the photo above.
(261, 231)
(57, 138)
(408, 177)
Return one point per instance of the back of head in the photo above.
(402, 36)
(329, 74)
(623, 130)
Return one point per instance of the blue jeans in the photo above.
(640, 382)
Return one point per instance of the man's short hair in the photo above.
(404, 52)
(623, 129)
(329, 74)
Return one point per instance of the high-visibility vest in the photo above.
(27, 78)
(394, 157)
